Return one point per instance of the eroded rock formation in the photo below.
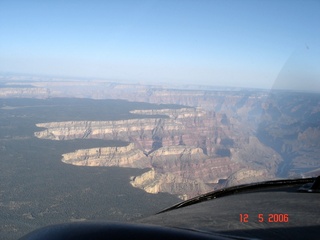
(127, 156)
(265, 133)
(188, 150)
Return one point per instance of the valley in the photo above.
(97, 144)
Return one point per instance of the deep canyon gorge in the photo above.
(216, 138)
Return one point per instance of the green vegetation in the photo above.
(37, 189)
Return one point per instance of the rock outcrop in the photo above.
(267, 134)
(186, 126)
(188, 150)
(155, 182)
(127, 156)
(184, 171)
(244, 176)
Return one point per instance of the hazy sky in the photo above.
(232, 43)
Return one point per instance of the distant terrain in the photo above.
(74, 150)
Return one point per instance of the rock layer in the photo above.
(127, 156)
(236, 125)
(188, 150)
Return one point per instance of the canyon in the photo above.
(215, 138)
(187, 150)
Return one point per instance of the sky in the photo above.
(241, 43)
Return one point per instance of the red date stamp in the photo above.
(272, 217)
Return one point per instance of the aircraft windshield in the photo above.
(115, 110)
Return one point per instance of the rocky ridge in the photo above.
(188, 150)
(127, 156)
(286, 122)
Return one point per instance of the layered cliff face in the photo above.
(146, 133)
(244, 135)
(186, 126)
(155, 182)
(188, 150)
(286, 122)
(244, 176)
(252, 148)
(184, 171)
(172, 171)
(114, 130)
(127, 156)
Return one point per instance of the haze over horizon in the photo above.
(219, 43)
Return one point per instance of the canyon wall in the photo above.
(127, 156)
(188, 150)
(244, 135)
